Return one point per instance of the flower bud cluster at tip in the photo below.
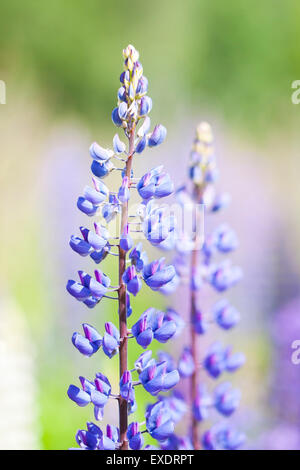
(203, 169)
(134, 104)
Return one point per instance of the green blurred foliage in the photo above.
(237, 57)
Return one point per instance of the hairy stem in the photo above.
(123, 412)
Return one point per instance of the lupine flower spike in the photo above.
(194, 260)
(155, 375)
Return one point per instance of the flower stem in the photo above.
(123, 356)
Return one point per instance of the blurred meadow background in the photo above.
(231, 63)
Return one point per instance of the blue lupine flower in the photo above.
(116, 118)
(101, 170)
(221, 201)
(142, 332)
(196, 279)
(144, 128)
(196, 175)
(90, 342)
(200, 325)
(156, 274)
(78, 291)
(98, 413)
(202, 404)
(222, 437)
(142, 85)
(146, 186)
(158, 421)
(127, 391)
(100, 393)
(99, 153)
(158, 228)
(101, 231)
(163, 329)
(90, 439)
(91, 302)
(122, 110)
(158, 136)
(211, 174)
(138, 257)
(128, 306)
(176, 405)
(111, 439)
(215, 360)
(125, 384)
(156, 232)
(172, 315)
(224, 276)
(98, 256)
(226, 239)
(80, 246)
(91, 240)
(163, 186)
(225, 315)
(101, 278)
(126, 241)
(130, 114)
(156, 379)
(81, 397)
(156, 183)
(219, 359)
(141, 145)
(168, 243)
(209, 246)
(111, 209)
(227, 399)
(86, 206)
(134, 284)
(170, 286)
(175, 442)
(143, 361)
(234, 361)
(122, 94)
(124, 193)
(183, 197)
(145, 105)
(111, 340)
(135, 437)
(131, 401)
(152, 324)
(119, 146)
(97, 286)
(186, 364)
(184, 243)
(163, 356)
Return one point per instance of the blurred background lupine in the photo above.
(102, 241)
(230, 63)
(197, 266)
